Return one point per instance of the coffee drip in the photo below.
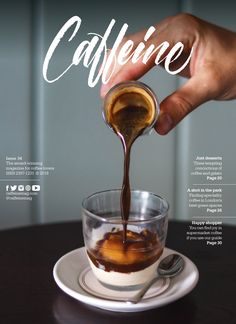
(130, 110)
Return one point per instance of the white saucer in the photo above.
(72, 268)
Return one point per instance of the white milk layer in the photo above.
(115, 278)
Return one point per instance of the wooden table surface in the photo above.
(29, 295)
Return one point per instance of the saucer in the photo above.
(72, 274)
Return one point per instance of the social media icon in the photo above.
(13, 187)
(35, 187)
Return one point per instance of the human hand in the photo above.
(211, 71)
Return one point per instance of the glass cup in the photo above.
(117, 263)
(135, 94)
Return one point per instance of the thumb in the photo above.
(180, 103)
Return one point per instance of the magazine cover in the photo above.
(117, 161)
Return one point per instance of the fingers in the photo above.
(131, 71)
(134, 68)
(169, 31)
(179, 104)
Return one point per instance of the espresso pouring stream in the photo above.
(129, 121)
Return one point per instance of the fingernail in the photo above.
(164, 124)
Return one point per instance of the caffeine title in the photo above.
(94, 54)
